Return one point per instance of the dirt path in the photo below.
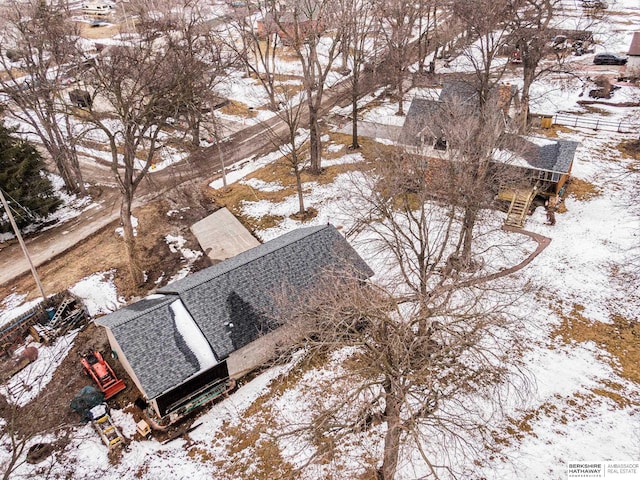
(543, 242)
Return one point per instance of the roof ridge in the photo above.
(307, 232)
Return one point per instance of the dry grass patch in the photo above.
(552, 132)
(250, 435)
(288, 90)
(614, 392)
(619, 339)
(630, 149)
(281, 173)
(96, 33)
(265, 460)
(238, 109)
(581, 189)
(287, 54)
(590, 108)
(103, 252)
(517, 429)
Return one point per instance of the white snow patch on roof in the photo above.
(193, 336)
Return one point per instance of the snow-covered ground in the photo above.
(583, 407)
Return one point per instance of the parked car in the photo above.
(595, 4)
(609, 59)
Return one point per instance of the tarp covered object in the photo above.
(85, 400)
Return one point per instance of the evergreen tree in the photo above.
(26, 187)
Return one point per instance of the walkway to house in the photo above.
(543, 242)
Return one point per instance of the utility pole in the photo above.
(24, 247)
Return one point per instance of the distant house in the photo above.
(289, 26)
(545, 162)
(97, 8)
(420, 132)
(633, 63)
(184, 345)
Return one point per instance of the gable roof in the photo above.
(147, 332)
(460, 91)
(634, 48)
(423, 112)
(419, 116)
(546, 154)
(231, 303)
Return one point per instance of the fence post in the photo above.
(575, 124)
(597, 123)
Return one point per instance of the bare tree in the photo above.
(40, 55)
(427, 26)
(358, 48)
(257, 43)
(303, 24)
(478, 157)
(429, 352)
(533, 31)
(398, 21)
(204, 59)
(485, 24)
(292, 145)
(473, 122)
(137, 88)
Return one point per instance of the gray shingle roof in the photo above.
(231, 302)
(423, 112)
(459, 91)
(556, 157)
(146, 331)
(634, 48)
(234, 300)
(420, 115)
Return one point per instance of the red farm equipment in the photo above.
(102, 373)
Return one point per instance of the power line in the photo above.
(22, 245)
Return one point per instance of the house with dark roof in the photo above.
(421, 132)
(184, 345)
(546, 161)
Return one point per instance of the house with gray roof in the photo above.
(422, 131)
(547, 162)
(185, 344)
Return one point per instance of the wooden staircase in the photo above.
(520, 203)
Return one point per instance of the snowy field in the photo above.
(583, 408)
